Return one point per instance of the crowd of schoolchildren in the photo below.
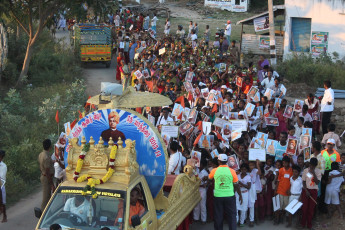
(210, 90)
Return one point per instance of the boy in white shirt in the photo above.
(295, 189)
(333, 189)
(200, 208)
(3, 172)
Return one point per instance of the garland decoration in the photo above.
(92, 182)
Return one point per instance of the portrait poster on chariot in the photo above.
(120, 123)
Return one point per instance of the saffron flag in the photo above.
(57, 116)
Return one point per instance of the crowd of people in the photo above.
(227, 115)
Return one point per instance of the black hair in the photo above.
(314, 161)
(300, 156)
(335, 166)
(296, 167)
(105, 228)
(284, 133)
(279, 161)
(305, 107)
(317, 145)
(215, 161)
(47, 143)
(291, 127)
(203, 163)
(244, 165)
(327, 83)
(343, 155)
(174, 146)
(331, 127)
(301, 119)
(55, 227)
(2, 153)
(308, 124)
(286, 159)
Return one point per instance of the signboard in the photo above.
(117, 123)
(319, 43)
(229, 5)
(261, 24)
(264, 42)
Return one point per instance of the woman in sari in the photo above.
(261, 63)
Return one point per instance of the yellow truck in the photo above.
(94, 43)
(110, 187)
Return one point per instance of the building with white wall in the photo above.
(230, 5)
(314, 26)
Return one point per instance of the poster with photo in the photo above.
(307, 154)
(214, 153)
(177, 110)
(204, 92)
(307, 131)
(188, 86)
(268, 93)
(256, 98)
(305, 141)
(271, 146)
(271, 121)
(185, 127)
(277, 103)
(318, 49)
(205, 142)
(233, 162)
(263, 138)
(196, 157)
(233, 115)
(264, 42)
(222, 67)
(197, 92)
(224, 110)
(318, 37)
(298, 106)
(261, 24)
(189, 76)
(316, 116)
(288, 113)
(292, 145)
(236, 135)
(211, 98)
(192, 116)
(239, 81)
(248, 110)
(138, 74)
(185, 113)
(166, 138)
(226, 129)
(260, 111)
(146, 73)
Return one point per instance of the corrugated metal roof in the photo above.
(275, 8)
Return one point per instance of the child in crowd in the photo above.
(295, 189)
(300, 163)
(268, 191)
(291, 132)
(200, 208)
(283, 189)
(255, 173)
(311, 178)
(333, 189)
(244, 182)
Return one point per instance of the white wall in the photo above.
(228, 5)
(326, 16)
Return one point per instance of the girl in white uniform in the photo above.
(255, 174)
(244, 181)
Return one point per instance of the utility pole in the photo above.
(272, 34)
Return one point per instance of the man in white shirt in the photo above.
(175, 159)
(167, 27)
(154, 22)
(165, 119)
(3, 172)
(268, 82)
(327, 105)
(228, 31)
(79, 206)
(200, 209)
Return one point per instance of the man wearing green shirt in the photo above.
(225, 184)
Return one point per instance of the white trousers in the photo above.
(251, 214)
(200, 208)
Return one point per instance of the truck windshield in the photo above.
(71, 210)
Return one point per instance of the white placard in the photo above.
(259, 154)
(219, 122)
(122, 45)
(276, 203)
(239, 125)
(170, 130)
(161, 51)
(293, 206)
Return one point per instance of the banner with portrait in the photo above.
(126, 124)
(261, 24)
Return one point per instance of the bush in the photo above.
(313, 71)
(28, 115)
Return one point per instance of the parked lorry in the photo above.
(94, 43)
(132, 197)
